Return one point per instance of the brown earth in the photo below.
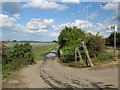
(50, 74)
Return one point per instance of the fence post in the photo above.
(80, 56)
(86, 51)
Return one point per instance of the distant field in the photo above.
(40, 51)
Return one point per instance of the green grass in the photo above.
(103, 58)
(41, 51)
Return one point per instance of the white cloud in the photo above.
(15, 8)
(79, 23)
(17, 16)
(38, 24)
(71, 1)
(93, 15)
(35, 24)
(54, 34)
(61, 26)
(50, 21)
(104, 28)
(84, 25)
(114, 18)
(109, 31)
(38, 31)
(43, 5)
(42, 27)
(8, 23)
(111, 6)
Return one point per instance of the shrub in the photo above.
(70, 38)
(13, 57)
(95, 45)
(103, 57)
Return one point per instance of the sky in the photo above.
(44, 20)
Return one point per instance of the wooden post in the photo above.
(86, 51)
(75, 55)
(80, 56)
(60, 54)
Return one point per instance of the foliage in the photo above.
(110, 39)
(95, 45)
(13, 57)
(54, 41)
(103, 57)
(70, 38)
(14, 40)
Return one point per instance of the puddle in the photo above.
(54, 50)
(51, 55)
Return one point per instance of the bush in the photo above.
(15, 56)
(103, 57)
(95, 45)
(70, 38)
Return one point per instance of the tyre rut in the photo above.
(53, 83)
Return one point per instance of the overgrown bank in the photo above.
(13, 57)
(70, 38)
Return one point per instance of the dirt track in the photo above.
(57, 75)
(50, 74)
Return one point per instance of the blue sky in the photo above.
(43, 20)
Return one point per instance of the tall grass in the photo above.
(41, 51)
(103, 58)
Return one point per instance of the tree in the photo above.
(70, 38)
(14, 40)
(111, 39)
(54, 41)
(95, 44)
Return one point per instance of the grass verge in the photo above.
(40, 51)
(104, 58)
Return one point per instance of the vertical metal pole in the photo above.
(86, 19)
(114, 43)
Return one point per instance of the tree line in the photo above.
(110, 39)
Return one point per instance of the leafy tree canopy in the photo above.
(70, 38)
